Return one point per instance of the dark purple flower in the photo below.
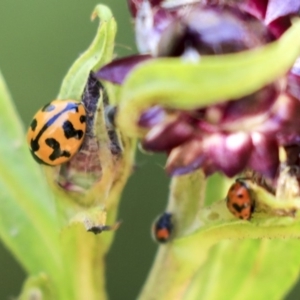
(234, 135)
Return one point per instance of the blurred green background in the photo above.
(39, 41)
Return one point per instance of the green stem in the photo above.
(169, 276)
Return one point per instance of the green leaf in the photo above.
(27, 215)
(99, 53)
(179, 84)
(247, 269)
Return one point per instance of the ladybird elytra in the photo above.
(57, 131)
(239, 200)
(162, 228)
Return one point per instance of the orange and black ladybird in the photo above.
(57, 131)
(239, 200)
(163, 228)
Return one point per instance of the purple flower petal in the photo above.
(296, 67)
(264, 157)
(165, 136)
(117, 70)
(283, 120)
(252, 105)
(256, 8)
(293, 80)
(230, 153)
(171, 40)
(185, 158)
(281, 8)
(212, 30)
(152, 116)
(134, 5)
(149, 26)
(279, 26)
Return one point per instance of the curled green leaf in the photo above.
(243, 269)
(99, 52)
(176, 83)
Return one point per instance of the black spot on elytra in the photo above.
(33, 124)
(54, 144)
(82, 119)
(34, 145)
(241, 196)
(71, 132)
(238, 208)
(48, 107)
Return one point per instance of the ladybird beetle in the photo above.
(57, 131)
(163, 228)
(239, 200)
